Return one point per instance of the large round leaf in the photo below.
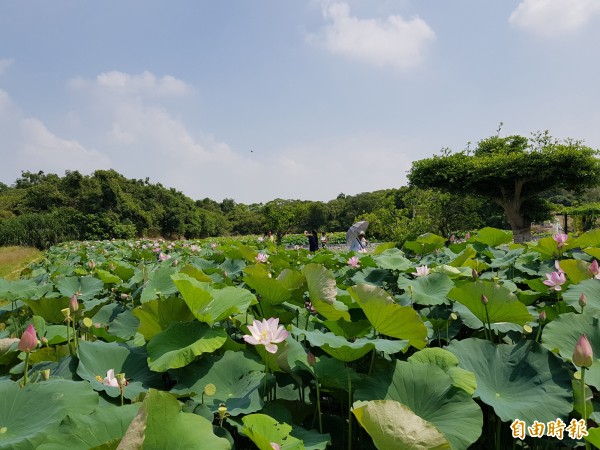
(97, 358)
(28, 414)
(393, 425)
(322, 290)
(209, 304)
(392, 259)
(263, 430)
(119, 324)
(168, 428)
(428, 392)
(448, 362)
(429, 290)
(493, 236)
(236, 377)
(179, 344)
(105, 426)
(273, 290)
(156, 315)
(561, 335)
(347, 351)
(86, 288)
(503, 305)
(522, 381)
(389, 318)
(159, 284)
(591, 289)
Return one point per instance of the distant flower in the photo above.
(421, 271)
(594, 270)
(213, 245)
(29, 340)
(163, 256)
(194, 248)
(267, 333)
(275, 446)
(560, 239)
(583, 355)
(484, 299)
(354, 262)
(452, 239)
(543, 315)
(156, 249)
(555, 280)
(310, 358)
(262, 257)
(582, 300)
(467, 236)
(260, 239)
(110, 379)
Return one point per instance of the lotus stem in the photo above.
(319, 404)
(587, 444)
(75, 339)
(69, 338)
(349, 409)
(25, 374)
(487, 315)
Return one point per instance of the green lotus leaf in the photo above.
(181, 343)
(159, 284)
(445, 360)
(392, 259)
(85, 431)
(312, 439)
(388, 317)
(493, 236)
(123, 270)
(503, 305)
(393, 425)
(107, 278)
(426, 243)
(168, 428)
(97, 358)
(48, 308)
(470, 320)
(349, 330)
(576, 270)
(237, 377)
(376, 277)
(467, 254)
(590, 238)
(323, 291)
(17, 289)
(86, 288)
(233, 267)
(263, 429)
(156, 315)
(209, 304)
(119, 323)
(347, 351)
(561, 335)
(271, 290)
(591, 289)
(196, 274)
(334, 374)
(429, 290)
(28, 414)
(507, 259)
(593, 436)
(427, 390)
(522, 381)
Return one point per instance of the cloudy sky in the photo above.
(299, 99)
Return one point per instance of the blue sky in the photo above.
(298, 99)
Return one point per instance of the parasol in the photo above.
(353, 232)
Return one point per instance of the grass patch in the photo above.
(15, 259)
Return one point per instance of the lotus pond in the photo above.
(479, 344)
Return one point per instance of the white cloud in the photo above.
(145, 83)
(392, 42)
(43, 150)
(5, 64)
(549, 18)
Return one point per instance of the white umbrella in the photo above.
(354, 231)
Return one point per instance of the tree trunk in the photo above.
(520, 226)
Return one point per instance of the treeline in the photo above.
(43, 209)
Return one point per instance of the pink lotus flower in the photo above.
(163, 256)
(560, 239)
(421, 271)
(262, 257)
(354, 262)
(555, 280)
(29, 340)
(275, 446)
(594, 270)
(267, 333)
(73, 304)
(110, 379)
(213, 245)
(557, 267)
(583, 355)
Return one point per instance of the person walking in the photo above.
(313, 240)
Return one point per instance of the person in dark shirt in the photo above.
(313, 240)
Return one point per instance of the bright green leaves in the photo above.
(522, 381)
(273, 290)
(322, 290)
(393, 425)
(181, 343)
(389, 318)
(503, 305)
(263, 430)
(429, 290)
(209, 304)
(156, 315)
(493, 236)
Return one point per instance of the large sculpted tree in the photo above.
(512, 171)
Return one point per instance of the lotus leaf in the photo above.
(429, 290)
(263, 429)
(156, 315)
(322, 291)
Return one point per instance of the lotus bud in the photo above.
(121, 380)
(91, 264)
(124, 297)
(583, 355)
(44, 341)
(66, 312)
(543, 316)
(582, 300)
(45, 374)
(29, 340)
(484, 299)
(311, 359)
(474, 274)
(74, 304)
